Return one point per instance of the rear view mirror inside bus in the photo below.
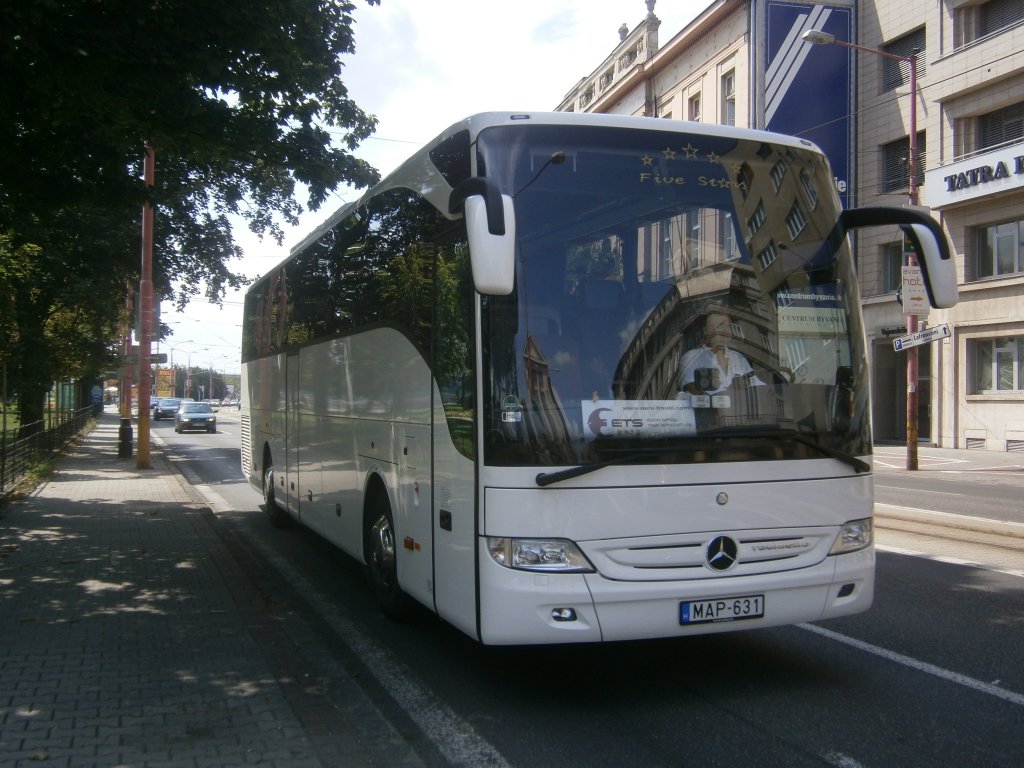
(492, 256)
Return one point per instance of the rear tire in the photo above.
(278, 517)
(381, 555)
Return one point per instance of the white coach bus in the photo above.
(573, 378)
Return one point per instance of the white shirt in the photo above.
(736, 365)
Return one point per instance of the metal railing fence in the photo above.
(18, 457)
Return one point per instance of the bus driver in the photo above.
(711, 368)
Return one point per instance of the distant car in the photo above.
(195, 416)
(165, 407)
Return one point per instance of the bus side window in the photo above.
(453, 343)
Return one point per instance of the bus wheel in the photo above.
(278, 517)
(381, 558)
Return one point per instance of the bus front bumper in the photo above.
(520, 607)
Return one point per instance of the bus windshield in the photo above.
(680, 297)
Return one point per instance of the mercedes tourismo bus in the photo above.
(570, 377)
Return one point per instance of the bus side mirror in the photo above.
(491, 230)
(931, 244)
(937, 266)
(493, 257)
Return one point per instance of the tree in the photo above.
(242, 102)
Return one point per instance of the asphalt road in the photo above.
(931, 676)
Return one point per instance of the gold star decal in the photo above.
(713, 158)
(670, 154)
(691, 151)
(647, 160)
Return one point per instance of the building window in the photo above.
(777, 173)
(977, 20)
(999, 250)
(728, 237)
(767, 256)
(998, 364)
(897, 73)
(665, 249)
(729, 98)
(693, 108)
(999, 14)
(756, 220)
(893, 261)
(692, 224)
(1003, 126)
(745, 179)
(807, 184)
(795, 221)
(896, 163)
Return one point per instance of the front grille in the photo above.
(684, 556)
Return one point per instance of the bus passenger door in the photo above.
(414, 501)
(291, 421)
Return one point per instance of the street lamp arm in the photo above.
(817, 37)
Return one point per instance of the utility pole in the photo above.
(146, 315)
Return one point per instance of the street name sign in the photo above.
(921, 337)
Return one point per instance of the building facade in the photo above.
(743, 62)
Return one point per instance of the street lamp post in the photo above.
(174, 373)
(817, 37)
(188, 369)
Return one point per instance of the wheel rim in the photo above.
(268, 488)
(382, 552)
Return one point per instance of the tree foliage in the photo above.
(241, 101)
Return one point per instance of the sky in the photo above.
(419, 66)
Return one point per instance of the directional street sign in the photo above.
(133, 358)
(921, 337)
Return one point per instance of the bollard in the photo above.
(124, 439)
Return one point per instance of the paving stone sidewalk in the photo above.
(131, 634)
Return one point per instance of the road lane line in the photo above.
(920, 666)
(918, 490)
(839, 760)
(949, 560)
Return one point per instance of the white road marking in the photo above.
(839, 760)
(918, 665)
(453, 737)
(918, 490)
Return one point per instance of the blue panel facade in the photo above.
(809, 89)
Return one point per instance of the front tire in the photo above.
(278, 517)
(381, 554)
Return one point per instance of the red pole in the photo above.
(146, 315)
(912, 357)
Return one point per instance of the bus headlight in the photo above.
(854, 535)
(558, 555)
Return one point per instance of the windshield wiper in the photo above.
(847, 458)
(858, 464)
(547, 478)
